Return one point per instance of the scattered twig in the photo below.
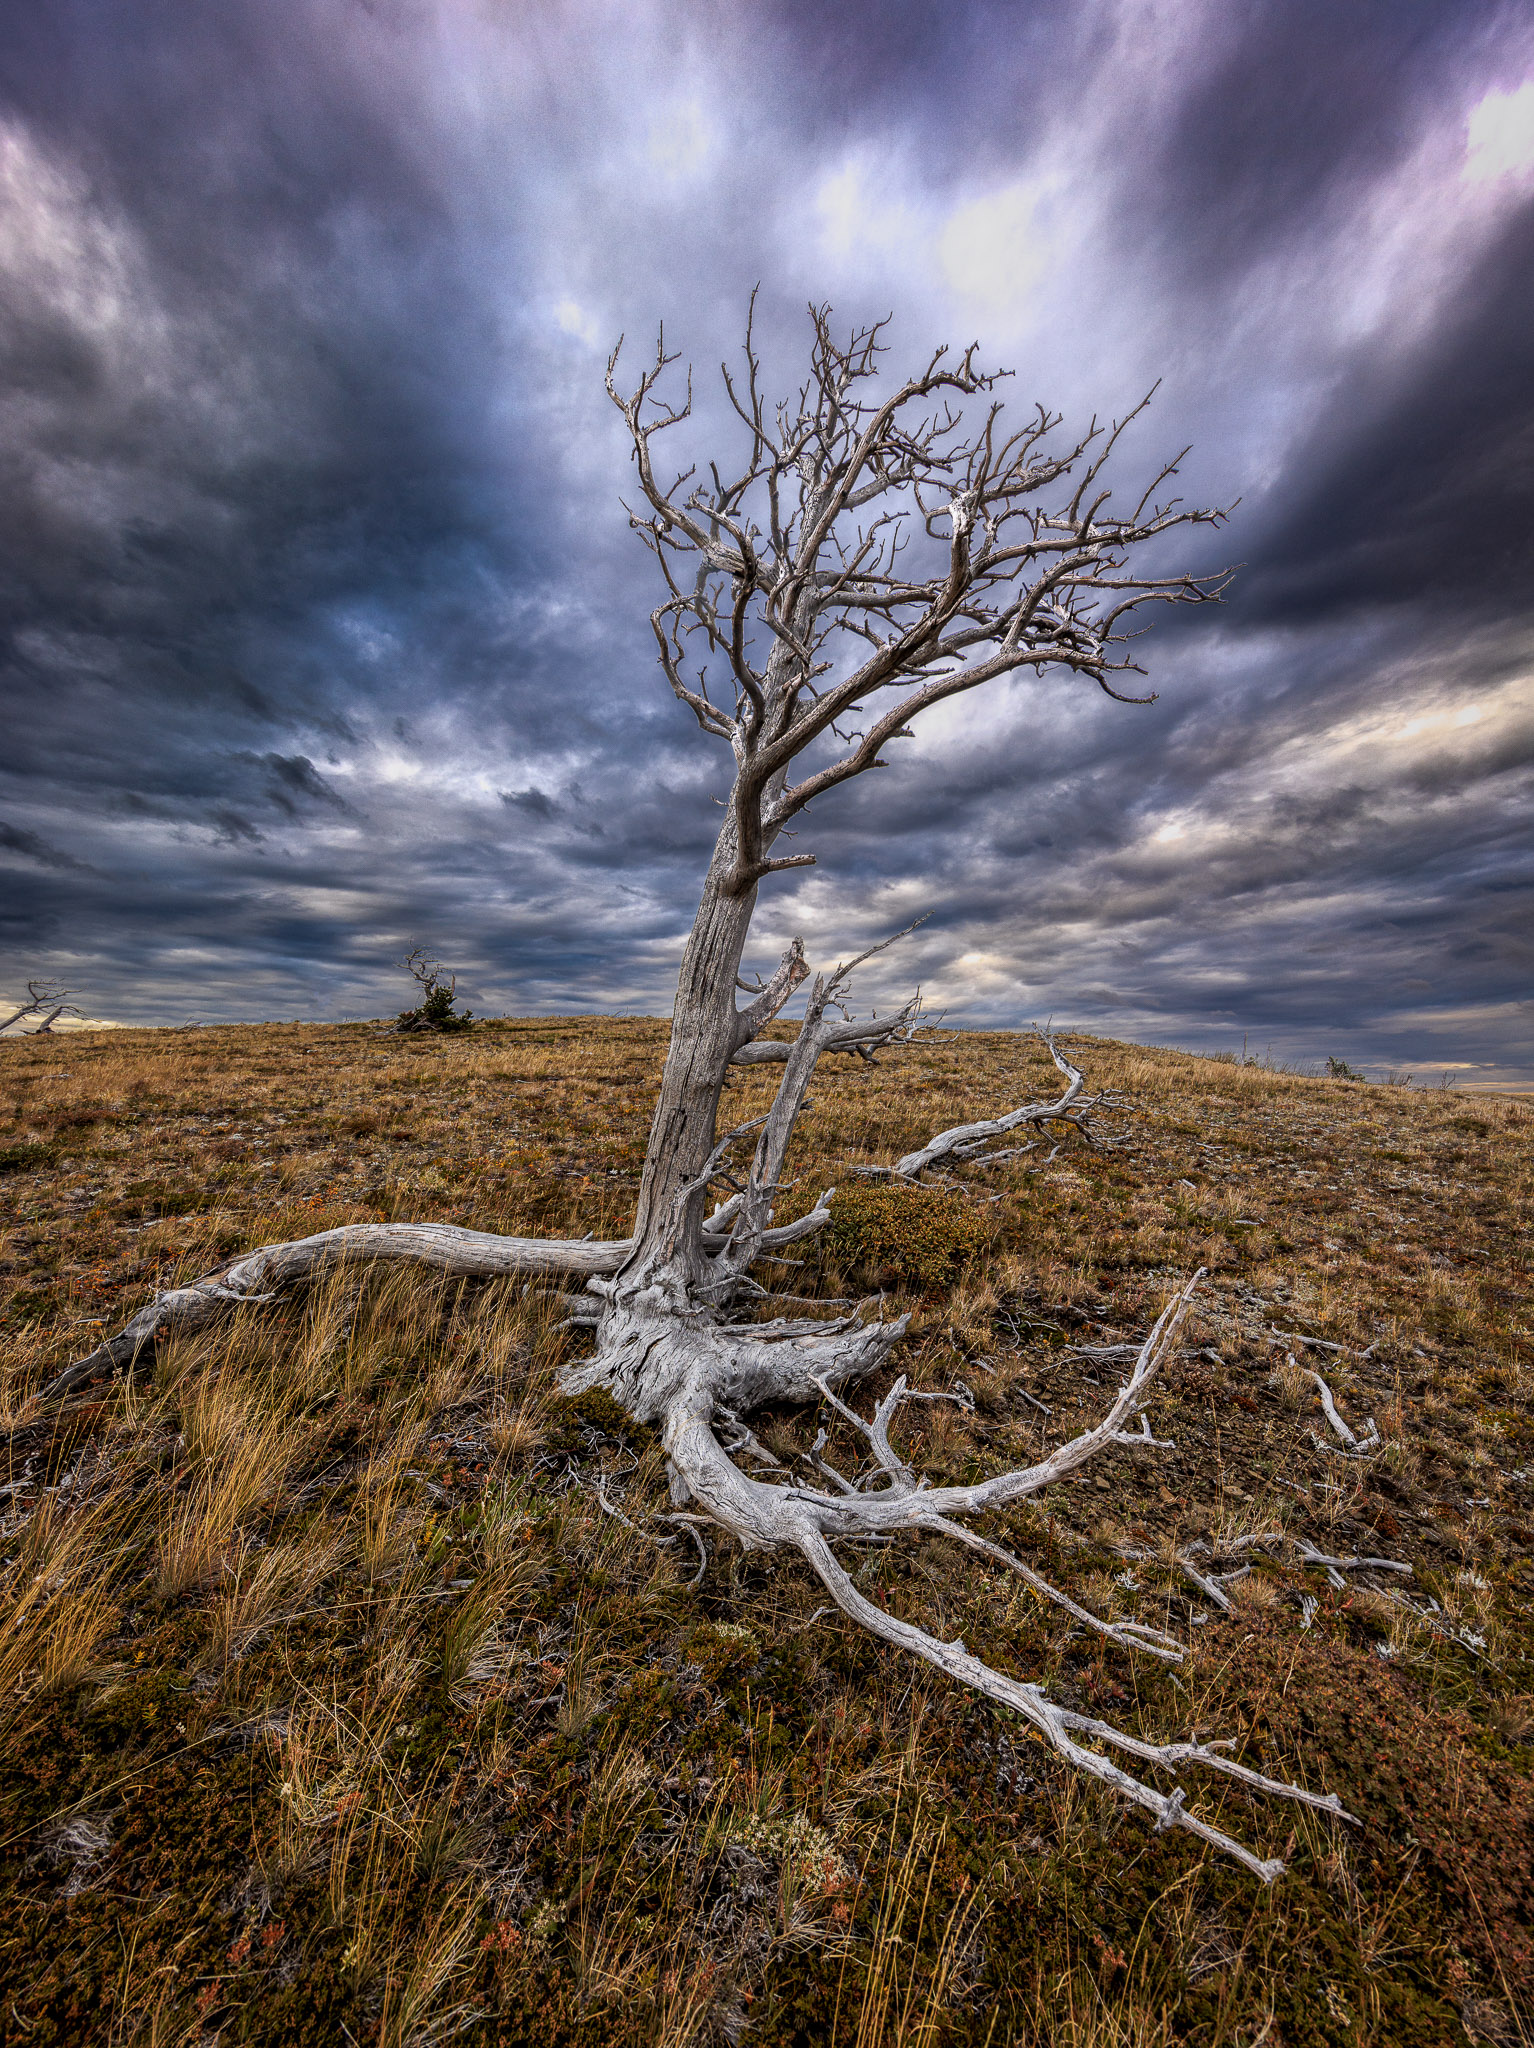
(1355, 1445)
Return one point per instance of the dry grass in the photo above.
(336, 1706)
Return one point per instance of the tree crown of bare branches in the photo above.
(796, 577)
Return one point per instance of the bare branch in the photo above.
(855, 1036)
(791, 971)
(1024, 582)
(1355, 1445)
(968, 1142)
(40, 994)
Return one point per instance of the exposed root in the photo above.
(1212, 1583)
(1352, 1564)
(263, 1275)
(739, 1232)
(1059, 1726)
(774, 1512)
(1210, 1588)
(689, 1528)
(1129, 1635)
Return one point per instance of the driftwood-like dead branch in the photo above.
(1355, 1446)
(1199, 1561)
(878, 524)
(967, 1143)
(1351, 1564)
(1314, 1343)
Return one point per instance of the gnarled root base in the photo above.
(670, 1364)
(695, 1379)
(677, 1365)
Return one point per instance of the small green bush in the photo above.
(897, 1236)
(22, 1158)
(436, 1013)
(438, 988)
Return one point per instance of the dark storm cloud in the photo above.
(324, 634)
(859, 64)
(31, 847)
(1416, 485)
(293, 779)
(534, 801)
(1301, 103)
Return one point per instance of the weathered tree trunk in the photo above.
(705, 1034)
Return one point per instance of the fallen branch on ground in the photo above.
(1354, 1446)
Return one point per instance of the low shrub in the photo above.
(22, 1158)
(436, 1012)
(897, 1236)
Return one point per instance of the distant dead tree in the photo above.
(875, 550)
(51, 996)
(439, 989)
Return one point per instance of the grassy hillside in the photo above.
(340, 1706)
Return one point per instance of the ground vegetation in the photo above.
(438, 1008)
(349, 1692)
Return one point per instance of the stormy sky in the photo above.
(324, 633)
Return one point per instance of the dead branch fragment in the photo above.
(968, 1142)
(1355, 1446)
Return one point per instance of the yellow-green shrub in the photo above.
(894, 1235)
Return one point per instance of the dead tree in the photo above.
(45, 1028)
(42, 995)
(439, 990)
(876, 551)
